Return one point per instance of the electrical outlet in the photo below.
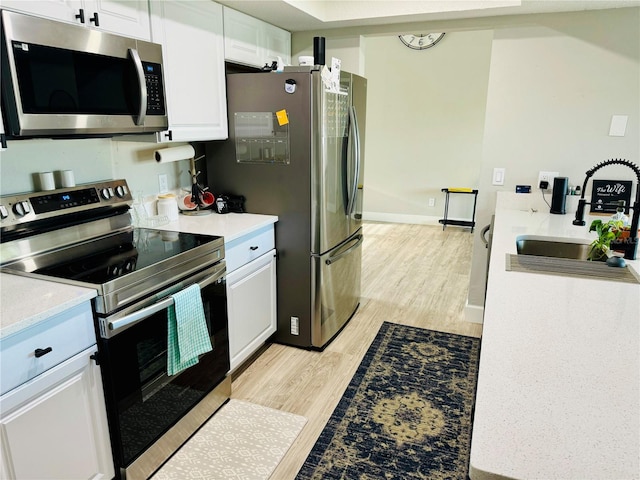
(163, 183)
(432, 202)
(547, 177)
(295, 326)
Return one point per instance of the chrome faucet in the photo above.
(629, 245)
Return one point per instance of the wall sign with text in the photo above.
(606, 194)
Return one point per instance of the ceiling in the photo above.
(305, 15)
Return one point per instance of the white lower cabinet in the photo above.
(55, 425)
(251, 300)
(251, 293)
(53, 420)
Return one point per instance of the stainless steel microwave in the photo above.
(66, 80)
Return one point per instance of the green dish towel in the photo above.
(188, 335)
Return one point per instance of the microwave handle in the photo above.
(137, 63)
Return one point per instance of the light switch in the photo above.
(618, 125)
(498, 176)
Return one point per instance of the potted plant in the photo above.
(607, 232)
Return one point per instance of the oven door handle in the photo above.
(139, 315)
(115, 325)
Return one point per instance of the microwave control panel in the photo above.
(155, 88)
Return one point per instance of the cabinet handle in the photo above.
(40, 352)
(95, 358)
(80, 15)
(169, 135)
(253, 248)
(95, 19)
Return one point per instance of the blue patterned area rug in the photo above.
(407, 412)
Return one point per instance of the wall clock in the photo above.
(421, 41)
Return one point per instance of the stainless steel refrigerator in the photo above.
(296, 150)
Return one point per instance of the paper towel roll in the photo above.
(174, 154)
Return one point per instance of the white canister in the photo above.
(168, 206)
(46, 181)
(67, 179)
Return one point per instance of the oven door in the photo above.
(143, 402)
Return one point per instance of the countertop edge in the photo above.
(41, 291)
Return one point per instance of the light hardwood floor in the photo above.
(411, 274)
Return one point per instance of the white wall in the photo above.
(425, 123)
(552, 91)
(91, 160)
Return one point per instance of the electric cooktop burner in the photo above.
(83, 236)
(134, 251)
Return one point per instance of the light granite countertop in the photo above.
(27, 301)
(229, 225)
(559, 381)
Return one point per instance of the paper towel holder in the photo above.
(198, 192)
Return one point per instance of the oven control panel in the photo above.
(27, 207)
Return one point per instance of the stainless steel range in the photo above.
(83, 236)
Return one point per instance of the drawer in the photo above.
(242, 250)
(66, 333)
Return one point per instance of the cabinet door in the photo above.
(193, 55)
(251, 301)
(55, 425)
(242, 38)
(63, 10)
(122, 17)
(277, 43)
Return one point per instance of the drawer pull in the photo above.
(253, 248)
(40, 352)
(95, 358)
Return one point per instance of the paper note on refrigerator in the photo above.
(283, 118)
(336, 65)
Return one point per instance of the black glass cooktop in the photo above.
(122, 254)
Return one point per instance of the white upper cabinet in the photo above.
(250, 41)
(277, 43)
(122, 17)
(193, 56)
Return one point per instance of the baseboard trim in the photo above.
(474, 313)
(400, 218)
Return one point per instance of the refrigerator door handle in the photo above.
(358, 239)
(355, 135)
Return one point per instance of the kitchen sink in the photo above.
(565, 257)
(552, 247)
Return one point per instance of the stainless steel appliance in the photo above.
(296, 150)
(83, 236)
(60, 79)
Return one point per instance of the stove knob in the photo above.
(3, 212)
(19, 209)
(106, 194)
(120, 191)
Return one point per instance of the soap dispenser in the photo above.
(619, 215)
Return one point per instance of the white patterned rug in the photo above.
(241, 441)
